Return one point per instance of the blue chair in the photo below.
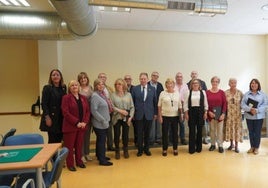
(11, 132)
(25, 184)
(49, 177)
(24, 139)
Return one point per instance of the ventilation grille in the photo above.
(174, 5)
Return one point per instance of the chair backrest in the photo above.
(11, 132)
(24, 139)
(57, 167)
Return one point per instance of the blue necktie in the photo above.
(143, 93)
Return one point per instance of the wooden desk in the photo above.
(36, 164)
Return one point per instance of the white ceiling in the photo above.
(242, 17)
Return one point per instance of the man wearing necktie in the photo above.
(145, 102)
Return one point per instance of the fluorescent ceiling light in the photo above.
(5, 2)
(113, 9)
(14, 2)
(17, 3)
(201, 14)
(24, 2)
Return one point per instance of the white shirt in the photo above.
(195, 100)
(182, 89)
(145, 91)
(169, 103)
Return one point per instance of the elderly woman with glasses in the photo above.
(122, 115)
(195, 107)
(233, 124)
(216, 113)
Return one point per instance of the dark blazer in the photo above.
(51, 105)
(159, 89)
(130, 88)
(70, 113)
(147, 108)
(202, 84)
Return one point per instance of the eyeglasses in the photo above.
(127, 79)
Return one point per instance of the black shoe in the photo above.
(221, 149)
(82, 166)
(148, 153)
(139, 154)
(72, 168)
(183, 142)
(117, 155)
(106, 163)
(212, 148)
(158, 142)
(108, 158)
(175, 152)
(164, 153)
(126, 155)
(111, 149)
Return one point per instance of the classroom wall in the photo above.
(117, 52)
(120, 52)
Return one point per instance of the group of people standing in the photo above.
(157, 114)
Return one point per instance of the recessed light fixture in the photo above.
(265, 7)
(16, 3)
(201, 14)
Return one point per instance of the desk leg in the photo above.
(39, 178)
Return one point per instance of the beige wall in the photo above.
(117, 52)
(19, 83)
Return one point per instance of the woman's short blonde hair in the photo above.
(71, 83)
(96, 83)
(122, 82)
(169, 81)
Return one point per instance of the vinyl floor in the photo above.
(203, 170)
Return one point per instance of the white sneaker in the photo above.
(88, 158)
(84, 159)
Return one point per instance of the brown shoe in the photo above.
(256, 151)
(251, 150)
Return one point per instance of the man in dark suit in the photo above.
(128, 80)
(155, 133)
(144, 98)
(194, 75)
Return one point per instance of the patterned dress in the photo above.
(233, 124)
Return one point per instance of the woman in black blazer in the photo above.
(52, 118)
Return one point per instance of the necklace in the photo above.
(171, 96)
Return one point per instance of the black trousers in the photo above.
(54, 137)
(143, 134)
(117, 133)
(170, 123)
(101, 135)
(195, 130)
(110, 135)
